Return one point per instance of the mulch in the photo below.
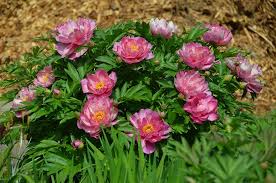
(252, 22)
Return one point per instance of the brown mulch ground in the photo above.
(252, 22)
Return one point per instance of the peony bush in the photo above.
(148, 81)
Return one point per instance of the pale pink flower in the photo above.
(77, 144)
(190, 83)
(151, 127)
(196, 56)
(247, 72)
(26, 94)
(202, 107)
(99, 83)
(217, 34)
(133, 49)
(72, 35)
(97, 112)
(45, 77)
(162, 27)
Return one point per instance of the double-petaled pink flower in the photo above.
(249, 73)
(26, 94)
(196, 56)
(133, 49)
(162, 27)
(202, 107)
(97, 111)
(99, 83)
(45, 77)
(190, 83)
(151, 128)
(72, 35)
(217, 34)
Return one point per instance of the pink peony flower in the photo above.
(77, 144)
(191, 83)
(217, 34)
(72, 35)
(26, 94)
(196, 56)
(151, 128)
(133, 49)
(249, 73)
(97, 111)
(202, 107)
(99, 83)
(45, 77)
(162, 27)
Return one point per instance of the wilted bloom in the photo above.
(72, 35)
(196, 56)
(97, 112)
(217, 34)
(151, 127)
(45, 77)
(26, 94)
(133, 49)
(162, 27)
(202, 107)
(99, 83)
(190, 83)
(249, 73)
(77, 144)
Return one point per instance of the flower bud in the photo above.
(56, 92)
(228, 77)
(181, 96)
(264, 165)
(162, 114)
(77, 144)
(156, 62)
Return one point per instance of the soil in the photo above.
(252, 22)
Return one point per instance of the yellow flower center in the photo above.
(148, 128)
(45, 78)
(25, 98)
(99, 116)
(133, 47)
(99, 85)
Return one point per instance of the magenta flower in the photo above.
(72, 35)
(26, 94)
(247, 72)
(97, 112)
(217, 34)
(162, 27)
(45, 77)
(99, 83)
(151, 128)
(196, 56)
(77, 144)
(190, 83)
(133, 49)
(202, 107)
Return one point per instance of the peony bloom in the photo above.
(99, 83)
(72, 35)
(45, 77)
(151, 128)
(77, 144)
(133, 49)
(191, 83)
(202, 107)
(196, 56)
(217, 34)
(247, 72)
(97, 112)
(26, 94)
(162, 27)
